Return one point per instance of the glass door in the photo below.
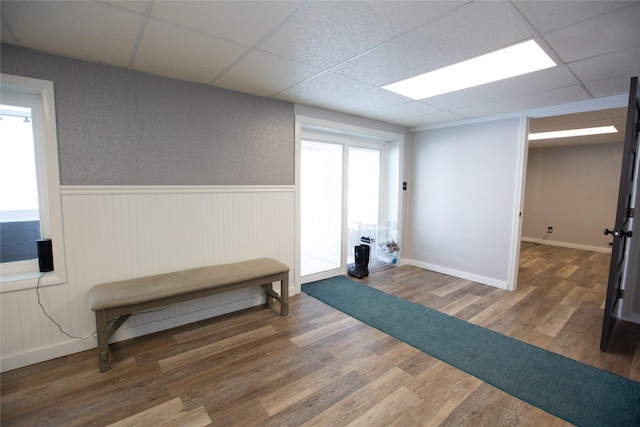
(363, 196)
(336, 212)
(321, 207)
(348, 186)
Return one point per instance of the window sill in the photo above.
(24, 281)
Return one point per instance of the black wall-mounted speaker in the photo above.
(45, 255)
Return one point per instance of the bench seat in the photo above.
(118, 300)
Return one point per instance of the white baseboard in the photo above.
(124, 333)
(566, 245)
(48, 353)
(457, 273)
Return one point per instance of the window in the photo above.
(19, 212)
(30, 206)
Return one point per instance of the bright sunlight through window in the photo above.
(19, 208)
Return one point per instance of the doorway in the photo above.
(321, 201)
(572, 184)
(344, 189)
(324, 194)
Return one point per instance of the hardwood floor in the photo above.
(319, 367)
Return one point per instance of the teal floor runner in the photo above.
(576, 392)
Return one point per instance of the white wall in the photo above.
(464, 200)
(113, 233)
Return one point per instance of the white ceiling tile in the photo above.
(609, 86)
(539, 81)
(91, 31)
(173, 51)
(322, 89)
(473, 30)
(367, 101)
(138, 6)
(329, 32)
(623, 63)
(344, 108)
(245, 22)
(428, 119)
(397, 112)
(530, 101)
(550, 15)
(617, 30)
(621, 121)
(6, 36)
(276, 74)
(354, 47)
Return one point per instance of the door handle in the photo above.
(618, 233)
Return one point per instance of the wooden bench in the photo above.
(118, 300)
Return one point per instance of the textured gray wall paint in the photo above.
(120, 127)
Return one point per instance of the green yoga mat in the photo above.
(578, 393)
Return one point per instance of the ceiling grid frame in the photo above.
(251, 56)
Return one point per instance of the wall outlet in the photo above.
(549, 229)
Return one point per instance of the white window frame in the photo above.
(39, 96)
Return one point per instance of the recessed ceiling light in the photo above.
(572, 132)
(512, 61)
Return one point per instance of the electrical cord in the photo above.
(51, 318)
(541, 240)
(94, 333)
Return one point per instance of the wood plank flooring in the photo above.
(319, 367)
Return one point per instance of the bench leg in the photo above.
(269, 292)
(284, 295)
(102, 333)
(283, 298)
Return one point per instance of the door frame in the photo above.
(358, 134)
(603, 103)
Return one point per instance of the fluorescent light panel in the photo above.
(512, 61)
(572, 132)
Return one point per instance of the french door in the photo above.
(341, 192)
(321, 206)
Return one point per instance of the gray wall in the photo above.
(120, 127)
(463, 192)
(575, 190)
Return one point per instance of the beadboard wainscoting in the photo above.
(119, 232)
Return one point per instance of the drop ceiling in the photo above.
(590, 119)
(337, 54)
